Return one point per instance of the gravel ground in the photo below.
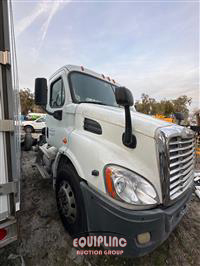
(43, 240)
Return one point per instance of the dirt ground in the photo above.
(43, 240)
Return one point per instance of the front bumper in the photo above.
(106, 218)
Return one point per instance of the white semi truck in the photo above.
(115, 170)
(9, 129)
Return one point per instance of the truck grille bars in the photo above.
(181, 157)
(176, 158)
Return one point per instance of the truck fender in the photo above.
(64, 152)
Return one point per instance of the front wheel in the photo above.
(70, 200)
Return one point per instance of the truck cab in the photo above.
(115, 170)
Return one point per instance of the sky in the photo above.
(150, 47)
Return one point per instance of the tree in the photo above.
(26, 100)
(168, 107)
(181, 104)
(165, 107)
(147, 104)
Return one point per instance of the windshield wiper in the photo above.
(95, 102)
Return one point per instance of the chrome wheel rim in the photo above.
(67, 202)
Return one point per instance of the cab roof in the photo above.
(82, 69)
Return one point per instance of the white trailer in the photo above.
(9, 129)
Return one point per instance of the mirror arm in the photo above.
(129, 140)
(128, 124)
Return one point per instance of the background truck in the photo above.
(114, 170)
(9, 129)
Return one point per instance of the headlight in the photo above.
(129, 187)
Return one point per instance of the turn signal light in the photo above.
(109, 184)
(3, 233)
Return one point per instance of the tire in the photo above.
(29, 129)
(70, 200)
(42, 140)
(28, 142)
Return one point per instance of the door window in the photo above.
(57, 94)
(41, 119)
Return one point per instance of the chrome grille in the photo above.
(181, 164)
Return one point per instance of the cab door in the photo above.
(58, 98)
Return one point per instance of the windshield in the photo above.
(41, 119)
(86, 88)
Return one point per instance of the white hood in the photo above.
(141, 123)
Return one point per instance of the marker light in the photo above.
(143, 238)
(109, 184)
(3, 233)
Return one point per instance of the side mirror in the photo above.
(124, 97)
(41, 97)
(179, 117)
(41, 91)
